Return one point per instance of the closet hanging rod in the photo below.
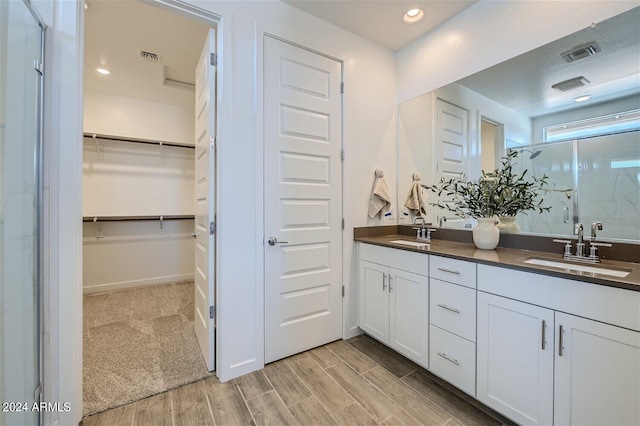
(134, 218)
(135, 140)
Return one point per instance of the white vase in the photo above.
(508, 225)
(486, 234)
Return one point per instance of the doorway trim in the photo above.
(223, 30)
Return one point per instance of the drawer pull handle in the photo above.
(448, 358)
(544, 337)
(384, 282)
(457, 311)
(561, 341)
(449, 271)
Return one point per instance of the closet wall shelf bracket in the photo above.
(99, 228)
(98, 142)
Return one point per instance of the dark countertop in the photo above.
(514, 259)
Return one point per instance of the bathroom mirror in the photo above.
(531, 103)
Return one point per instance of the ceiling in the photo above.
(381, 21)
(524, 83)
(115, 31)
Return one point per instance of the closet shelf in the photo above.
(135, 140)
(135, 218)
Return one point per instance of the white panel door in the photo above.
(302, 199)
(515, 359)
(452, 146)
(373, 304)
(597, 377)
(205, 192)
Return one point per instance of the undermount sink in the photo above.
(592, 269)
(410, 243)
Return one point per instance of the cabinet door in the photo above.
(515, 359)
(373, 312)
(597, 373)
(409, 315)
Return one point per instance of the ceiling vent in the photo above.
(581, 52)
(148, 56)
(572, 83)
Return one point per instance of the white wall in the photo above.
(106, 113)
(130, 179)
(134, 254)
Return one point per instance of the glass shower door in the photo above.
(555, 161)
(20, 100)
(609, 184)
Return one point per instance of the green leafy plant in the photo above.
(501, 192)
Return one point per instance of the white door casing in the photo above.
(452, 146)
(302, 199)
(205, 203)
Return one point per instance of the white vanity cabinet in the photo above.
(515, 359)
(557, 351)
(452, 328)
(394, 299)
(597, 374)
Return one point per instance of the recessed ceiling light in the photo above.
(582, 98)
(412, 16)
(103, 71)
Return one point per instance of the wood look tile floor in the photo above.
(353, 382)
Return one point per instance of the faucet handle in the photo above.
(593, 243)
(567, 246)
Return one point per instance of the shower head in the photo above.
(533, 155)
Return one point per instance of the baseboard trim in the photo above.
(100, 288)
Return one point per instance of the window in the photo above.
(598, 126)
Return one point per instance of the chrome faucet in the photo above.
(595, 226)
(579, 230)
(580, 245)
(422, 231)
(441, 221)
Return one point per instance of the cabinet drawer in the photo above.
(453, 358)
(453, 308)
(409, 261)
(453, 271)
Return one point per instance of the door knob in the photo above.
(273, 241)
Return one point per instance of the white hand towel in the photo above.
(380, 200)
(417, 198)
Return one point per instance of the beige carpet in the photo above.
(137, 343)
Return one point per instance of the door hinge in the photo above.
(342, 87)
(342, 291)
(342, 155)
(212, 142)
(212, 312)
(214, 59)
(38, 66)
(343, 223)
(212, 228)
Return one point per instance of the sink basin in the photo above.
(411, 243)
(592, 269)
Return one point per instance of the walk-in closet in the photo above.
(139, 202)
